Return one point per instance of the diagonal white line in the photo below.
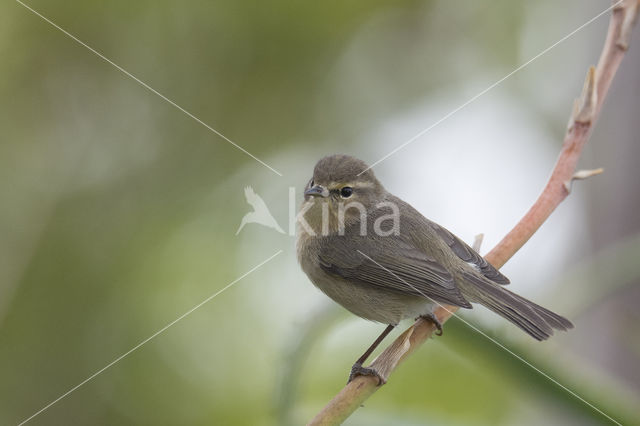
(146, 86)
(423, 132)
(148, 339)
(497, 343)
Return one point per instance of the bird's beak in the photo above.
(317, 191)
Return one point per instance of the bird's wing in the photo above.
(466, 253)
(255, 200)
(393, 265)
(249, 194)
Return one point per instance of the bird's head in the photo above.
(344, 187)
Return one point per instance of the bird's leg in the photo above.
(359, 370)
(435, 321)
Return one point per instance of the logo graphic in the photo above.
(382, 218)
(260, 213)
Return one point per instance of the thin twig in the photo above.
(586, 111)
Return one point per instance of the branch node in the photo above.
(478, 242)
(584, 107)
(630, 14)
(384, 365)
(581, 175)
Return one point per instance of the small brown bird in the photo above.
(382, 260)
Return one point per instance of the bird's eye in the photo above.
(346, 192)
(311, 183)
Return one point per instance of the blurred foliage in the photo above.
(118, 211)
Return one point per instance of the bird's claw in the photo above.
(435, 321)
(359, 370)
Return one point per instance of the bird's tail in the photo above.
(536, 321)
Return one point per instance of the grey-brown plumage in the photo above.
(389, 276)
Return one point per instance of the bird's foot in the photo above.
(359, 370)
(435, 321)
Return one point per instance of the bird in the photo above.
(260, 213)
(382, 260)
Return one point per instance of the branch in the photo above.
(585, 112)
